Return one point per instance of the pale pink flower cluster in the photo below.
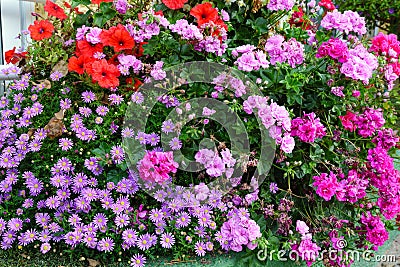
(275, 118)
(214, 164)
(156, 166)
(279, 50)
(347, 22)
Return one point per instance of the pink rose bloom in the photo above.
(349, 121)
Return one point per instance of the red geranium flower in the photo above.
(41, 29)
(12, 57)
(105, 74)
(299, 20)
(87, 49)
(77, 64)
(174, 4)
(100, 1)
(327, 4)
(204, 13)
(54, 10)
(117, 37)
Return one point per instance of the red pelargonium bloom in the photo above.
(67, 5)
(87, 49)
(117, 37)
(101, 1)
(12, 57)
(105, 74)
(299, 20)
(174, 4)
(77, 64)
(55, 10)
(204, 13)
(327, 4)
(41, 29)
(349, 121)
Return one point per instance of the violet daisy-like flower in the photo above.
(156, 215)
(200, 248)
(168, 126)
(105, 244)
(142, 137)
(121, 220)
(115, 99)
(129, 236)
(56, 76)
(183, 220)
(65, 144)
(90, 240)
(102, 110)
(273, 188)
(128, 132)
(143, 242)
(45, 247)
(100, 220)
(85, 111)
(137, 98)
(15, 224)
(64, 164)
(153, 139)
(88, 96)
(167, 240)
(138, 260)
(53, 202)
(175, 143)
(117, 154)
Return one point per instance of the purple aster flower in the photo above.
(65, 144)
(138, 260)
(102, 110)
(115, 99)
(88, 96)
(100, 220)
(168, 126)
(183, 220)
(56, 76)
(90, 240)
(106, 244)
(128, 132)
(45, 247)
(175, 143)
(15, 224)
(167, 240)
(156, 215)
(45, 236)
(74, 220)
(143, 242)
(121, 220)
(64, 164)
(152, 139)
(142, 137)
(137, 98)
(273, 188)
(113, 127)
(200, 248)
(129, 236)
(85, 111)
(117, 154)
(53, 202)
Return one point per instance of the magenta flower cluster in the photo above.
(156, 166)
(308, 128)
(279, 50)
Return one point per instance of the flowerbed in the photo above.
(185, 128)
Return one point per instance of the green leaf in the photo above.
(107, 13)
(76, 3)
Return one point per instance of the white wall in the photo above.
(15, 16)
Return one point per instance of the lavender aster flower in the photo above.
(167, 240)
